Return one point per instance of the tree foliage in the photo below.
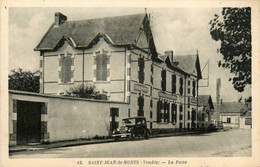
(84, 91)
(24, 80)
(233, 30)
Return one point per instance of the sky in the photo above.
(183, 30)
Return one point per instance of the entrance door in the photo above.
(114, 112)
(28, 122)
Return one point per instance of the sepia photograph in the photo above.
(129, 82)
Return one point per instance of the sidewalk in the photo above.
(60, 144)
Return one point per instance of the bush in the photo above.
(83, 91)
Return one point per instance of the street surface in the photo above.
(232, 143)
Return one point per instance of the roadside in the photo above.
(59, 144)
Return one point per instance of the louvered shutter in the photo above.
(158, 111)
(174, 84)
(68, 69)
(168, 111)
(63, 69)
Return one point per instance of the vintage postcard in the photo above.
(109, 83)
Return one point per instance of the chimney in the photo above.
(59, 19)
(170, 54)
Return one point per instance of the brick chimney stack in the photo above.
(170, 54)
(59, 19)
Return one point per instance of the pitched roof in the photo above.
(188, 63)
(119, 30)
(204, 100)
(230, 107)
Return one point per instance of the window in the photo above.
(163, 83)
(203, 117)
(151, 79)
(151, 114)
(193, 116)
(151, 103)
(228, 120)
(101, 70)
(188, 115)
(129, 112)
(193, 88)
(180, 108)
(188, 82)
(152, 68)
(188, 102)
(173, 84)
(166, 112)
(188, 90)
(141, 70)
(180, 126)
(174, 109)
(141, 106)
(181, 86)
(180, 117)
(188, 125)
(65, 62)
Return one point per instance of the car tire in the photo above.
(147, 135)
(132, 136)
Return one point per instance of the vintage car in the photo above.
(131, 128)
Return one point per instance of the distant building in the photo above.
(205, 111)
(246, 116)
(230, 113)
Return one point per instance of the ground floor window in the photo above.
(188, 125)
(180, 126)
(228, 120)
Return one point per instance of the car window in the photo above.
(128, 121)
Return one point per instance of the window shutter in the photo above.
(141, 70)
(193, 89)
(181, 86)
(63, 68)
(168, 112)
(173, 84)
(163, 82)
(159, 111)
(68, 69)
(101, 70)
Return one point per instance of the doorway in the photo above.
(28, 122)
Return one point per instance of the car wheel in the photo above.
(116, 138)
(147, 135)
(132, 136)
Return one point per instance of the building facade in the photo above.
(118, 56)
(206, 111)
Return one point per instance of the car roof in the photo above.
(134, 117)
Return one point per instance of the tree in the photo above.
(24, 80)
(233, 30)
